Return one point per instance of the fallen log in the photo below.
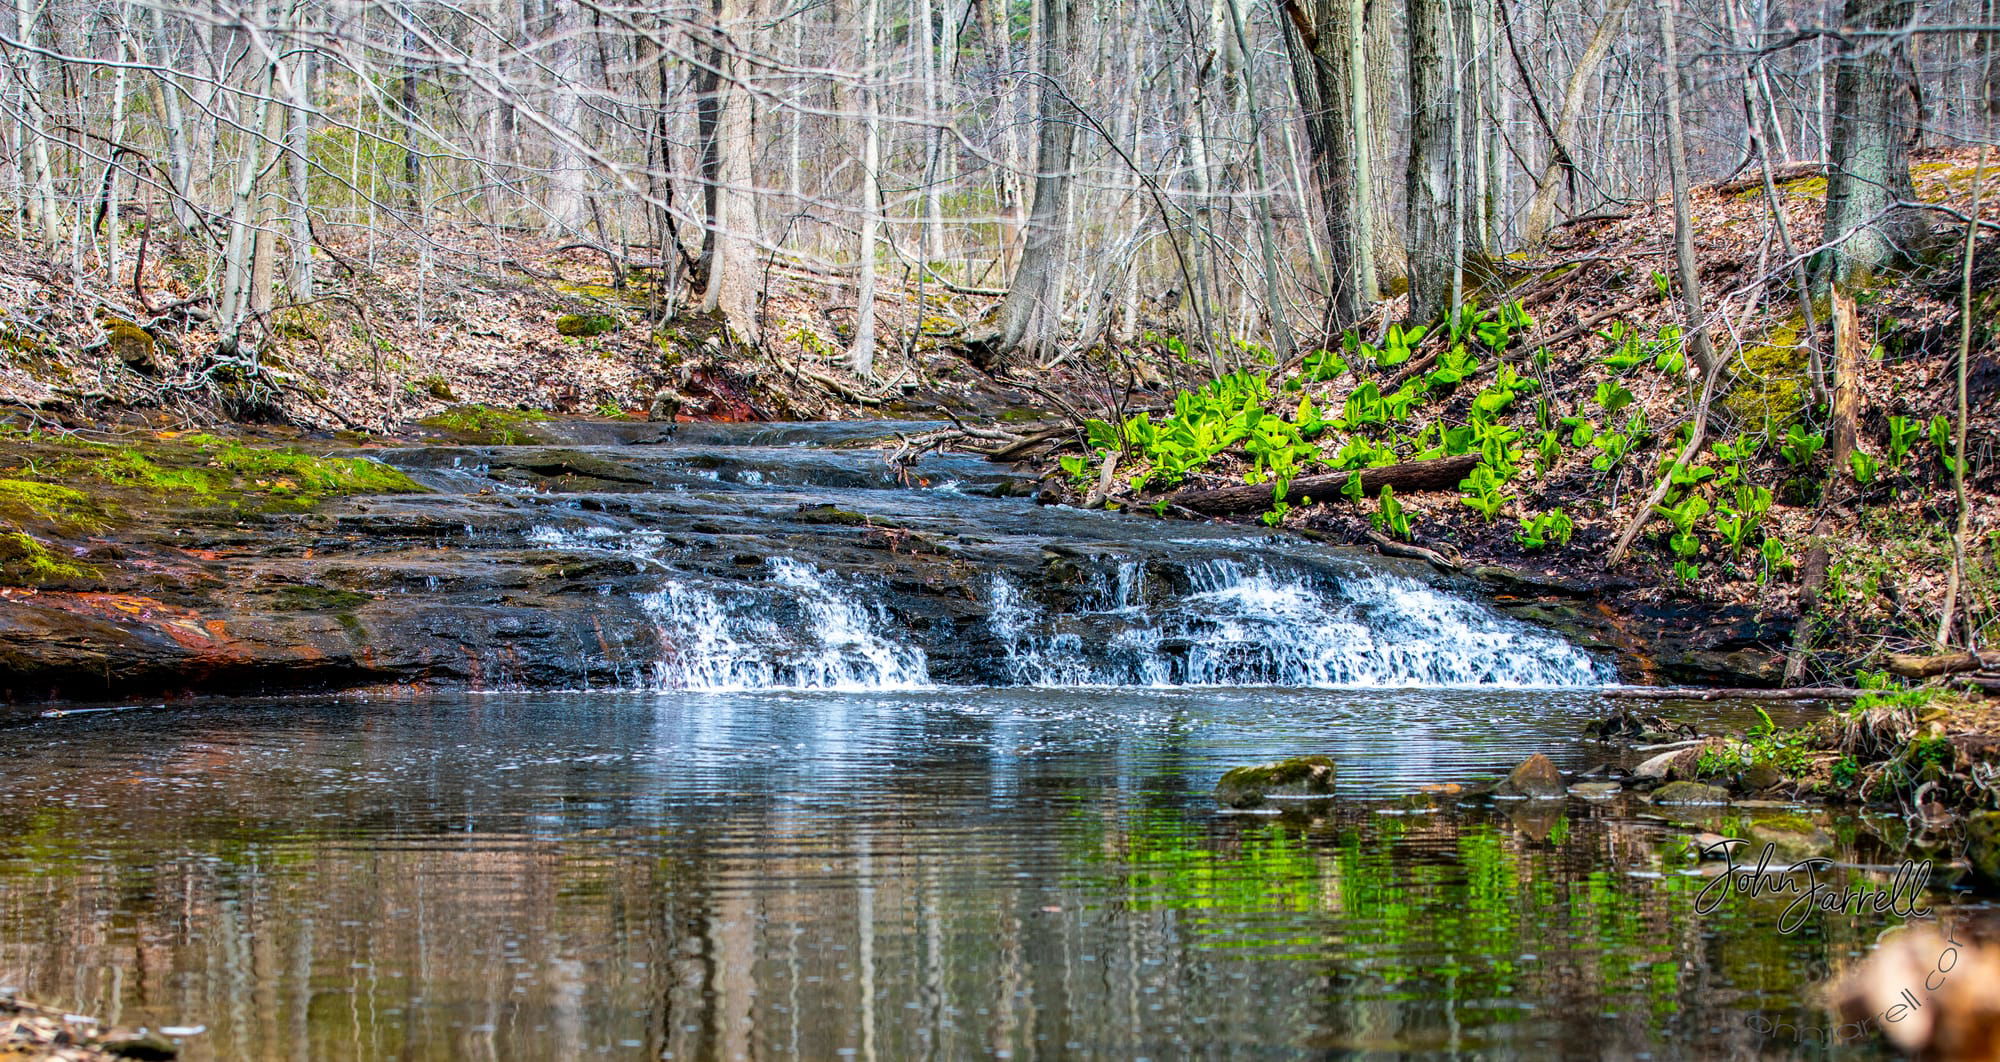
(1441, 473)
(1914, 665)
(1700, 693)
(1788, 172)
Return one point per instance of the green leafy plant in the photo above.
(1775, 559)
(1684, 515)
(1482, 492)
(1454, 366)
(1737, 517)
(1863, 466)
(1800, 445)
(1612, 396)
(1323, 365)
(1389, 516)
(1552, 527)
(1903, 434)
(1686, 571)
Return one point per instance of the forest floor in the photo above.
(1581, 403)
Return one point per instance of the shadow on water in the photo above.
(890, 875)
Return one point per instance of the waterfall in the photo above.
(1251, 626)
(798, 629)
(1211, 622)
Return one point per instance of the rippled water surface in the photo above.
(891, 875)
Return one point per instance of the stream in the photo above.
(746, 744)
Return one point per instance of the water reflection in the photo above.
(936, 875)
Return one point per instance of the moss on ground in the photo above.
(486, 425)
(25, 561)
(1771, 380)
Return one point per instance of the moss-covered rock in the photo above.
(486, 425)
(1300, 776)
(587, 324)
(1982, 847)
(24, 561)
(1690, 793)
(1770, 384)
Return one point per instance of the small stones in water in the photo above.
(1690, 793)
(1300, 776)
(1535, 779)
(1664, 765)
(1596, 790)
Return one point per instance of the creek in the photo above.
(767, 748)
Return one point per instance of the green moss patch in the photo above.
(1771, 384)
(488, 425)
(24, 561)
(587, 324)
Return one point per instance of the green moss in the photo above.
(304, 598)
(478, 423)
(586, 324)
(1800, 187)
(26, 562)
(828, 514)
(27, 501)
(1771, 385)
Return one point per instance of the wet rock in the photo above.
(1759, 777)
(1690, 793)
(1535, 779)
(1300, 776)
(1667, 766)
(1982, 847)
(1596, 790)
(144, 1048)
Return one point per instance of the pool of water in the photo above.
(937, 873)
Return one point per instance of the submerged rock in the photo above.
(1535, 779)
(1300, 776)
(1982, 847)
(1596, 790)
(1687, 793)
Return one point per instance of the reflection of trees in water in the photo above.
(764, 929)
(362, 890)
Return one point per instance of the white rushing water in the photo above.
(1249, 626)
(798, 629)
(1223, 623)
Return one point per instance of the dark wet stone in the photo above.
(1300, 776)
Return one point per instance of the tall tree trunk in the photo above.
(1030, 316)
(1323, 57)
(861, 355)
(1561, 161)
(732, 277)
(1869, 166)
(1432, 206)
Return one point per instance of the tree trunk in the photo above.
(1030, 316)
(1432, 207)
(732, 279)
(861, 355)
(1869, 166)
(1322, 73)
(1542, 207)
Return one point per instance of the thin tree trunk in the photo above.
(1561, 161)
(861, 355)
(1431, 190)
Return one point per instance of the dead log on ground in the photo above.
(1441, 473)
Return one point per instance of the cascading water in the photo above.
(1210, 622)
(1238, 625)
(798, 629)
